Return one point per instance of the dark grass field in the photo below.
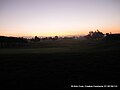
(60, 64)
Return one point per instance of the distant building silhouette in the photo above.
(112, 36)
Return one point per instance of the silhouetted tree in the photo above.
(50, 38)
(55, 38)
(37, 39)
(97, 35)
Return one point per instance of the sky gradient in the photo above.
(58, 17)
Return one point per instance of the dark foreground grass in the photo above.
(60, 70)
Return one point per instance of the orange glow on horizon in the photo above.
(75, 32)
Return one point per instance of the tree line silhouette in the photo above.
(11, 41)
(37, 39)
(20, 41)
(97, 35)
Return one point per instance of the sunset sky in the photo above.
(58, 17)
